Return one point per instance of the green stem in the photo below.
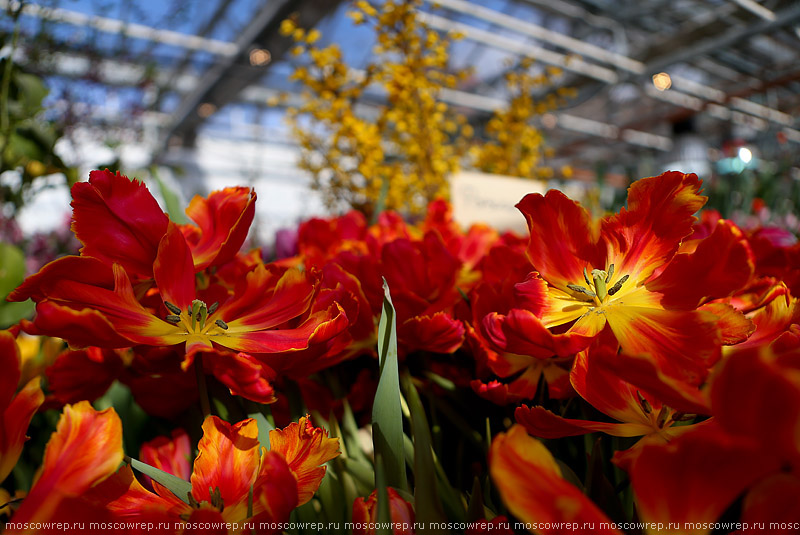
(202, 387)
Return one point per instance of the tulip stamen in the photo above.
(172, 308)
(580, 290)
(597, 285)
(662, 416)
(646, 407)
(614, 289)
(599, 277)
(216, 498)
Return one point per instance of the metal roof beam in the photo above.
(210, 24)
(783, 18)
(138, 31)
(682, 88)
(223, 81)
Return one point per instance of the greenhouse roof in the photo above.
(171, 69)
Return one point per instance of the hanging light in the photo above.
(259, 57)
(662, 81)
(745, 154)
(206, 110)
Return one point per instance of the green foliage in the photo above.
(387, 419)
(27, 140)
(179, 487)
(12, 273)
(173, 203)
(426, 493)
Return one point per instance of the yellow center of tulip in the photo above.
(596, 288)
(195, 319)
(665, 418)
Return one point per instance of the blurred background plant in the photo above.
(27, 157)
(514, 145)
(27, 138)
(400, 154)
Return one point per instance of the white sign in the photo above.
(486, 198)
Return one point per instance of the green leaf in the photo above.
(30, 90)
(12, 273)
(264, 427)
(179, 487)
(331, 495)
(387, 418)
(383, 516)
(476, 510)
(598, 488)
(171, 200)
(11, 313)
(426, 495)
(361, 472)
(12, 268)
(350, 433)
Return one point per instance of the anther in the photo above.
(173, 318)
(213, 308)
(221, 324)
(172, 308)
(586, 278)
(580, 289)
(662, 416)
(610, 273)
(614, 289)
(216, 498)
(644, 403)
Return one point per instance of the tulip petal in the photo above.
(684, 344)
(438, 333)
(306, 449)
(563, 238)
(542, 423)
(522, 333)
(171, 454)
(10, 364)
(771, 408)
(276, 492)
(776, 311)
(241, 373)
(14, 421)
(734, 327)
(531, 486)
(604, 390)
(659, 215)
(320, 326)
(85, 449)
(224, 218)
(721, 265)
(695, 477)
(76, 376)
(126, 498)
(228, 460)
(643, 372)
(773, 502)
(173, 269)
(118, 221)
(267, 301)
